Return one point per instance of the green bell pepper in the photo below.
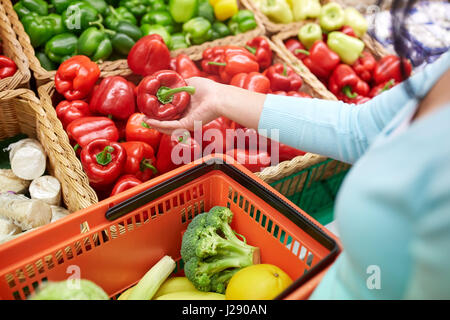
(148, 29)
(118, 14)
(95, 44)
(242, 21)
(61, 5)
(183, 10)
(160, 17)
(277, 11)
(197, 30)
(354, 19)
(38, 6)
(137, 7)
(158, 5)
(309, 33)
(41, 28)
(220, 30)
(332, 17)
(305, 9)
(61, 47)
(45, 62)
(100, 5)
(178, 41)
(21, 11)
(125, 36)
(348, 48)
(206, 10)
(79, 15)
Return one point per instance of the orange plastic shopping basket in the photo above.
(130, 232)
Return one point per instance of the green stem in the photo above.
(114, 12)
(146, 164)
(165, 94)
(305, 52)
(145, 125)
(388, 85)
(214, 63)
(284, 70)
(105, 157)
(347, 90)
(251, 49)
(76, 147)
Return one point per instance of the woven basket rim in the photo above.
(22, 76)
(117, 67)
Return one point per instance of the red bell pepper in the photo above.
(297, 94)
(114, 96)
(348, 31)
(83, 130)
(176, 150)
(125, 182)
(389, 67)
(227, 61)
(344, 82)
(253, 160)
(283, 78)
(140, 160)
(380, 88)
(138, 130)
(103, 161)
(297, 48)
(186, 67)
(219, 125)
(260, 47)
(121, 127)
(365, 66)
(7, 67)
(253, 81)
(148, 55)
(173, 64)
(67, 111)
(164, 95)
(321, 60)
(76, 77)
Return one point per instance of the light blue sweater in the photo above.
(393, 208)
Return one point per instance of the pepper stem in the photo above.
(105, 156)
(165, 94)
(98, 23)
(284, 70)
(305, 52)
(214, 63)
(145, 125)
(388, 85)
(114, 12)
(347, 90)
(146, 164)
(76, 147)
(251, 49)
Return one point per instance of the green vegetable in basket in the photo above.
(137, 7)
(183, 10)
(158, 5)
(277, 10)
(41, 28)
(100, 5)
(69, 290)
(220, 30)
(79, 15)
(45, 62)
(95, 44)
(38, 6)
(146, 288)
(197, 30)
(60, 5)
(242, 21)
(116, 15)
(212, 252)
(159, 17)
(126, 35)
(206, 10)
(178, 41)
(305, 9)
(61, 47)
(21, 10)
(148, 29)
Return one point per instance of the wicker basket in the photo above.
(13, 50)
(117, 67)
(49, 98)
(21, 112)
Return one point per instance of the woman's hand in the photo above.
(203, 107)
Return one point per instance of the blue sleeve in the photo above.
(338, 130)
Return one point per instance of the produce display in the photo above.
(105, 118)
(332, 49)
(107, 29)
(29, 198)
(218, 266)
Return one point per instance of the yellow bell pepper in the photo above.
(224, 9)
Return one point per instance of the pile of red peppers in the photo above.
(357, 83)
(105, 118)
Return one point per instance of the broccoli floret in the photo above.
(212, 252)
